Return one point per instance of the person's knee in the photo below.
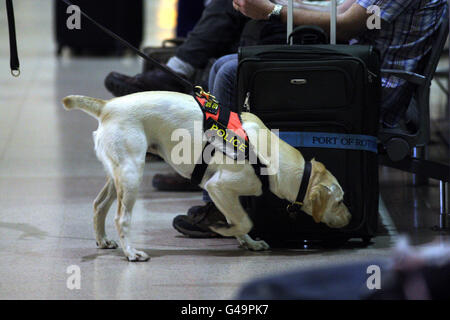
(222, 61)
(226, 76)
(217, 66)
(226, 69)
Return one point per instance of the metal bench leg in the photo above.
(444, 194)
(420, 153)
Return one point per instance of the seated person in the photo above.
(217, 33)
(405, 37)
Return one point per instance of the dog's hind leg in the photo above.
(102, 204)
(127, 179)
(227, 201)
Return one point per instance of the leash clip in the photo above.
(15, 72)
(294, 207)
(199, 92)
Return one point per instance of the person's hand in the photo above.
(297, 3)
(255, 9)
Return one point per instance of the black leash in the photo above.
(14, 60)
(188, 85)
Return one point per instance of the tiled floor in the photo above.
(49, 176)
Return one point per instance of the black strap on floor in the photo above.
(188, 85)
(14, 57)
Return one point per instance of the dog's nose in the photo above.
(343, 218)
(347, 216)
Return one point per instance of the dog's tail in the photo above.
(92, 106)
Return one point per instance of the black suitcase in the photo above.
(310, 93)
(122, 17)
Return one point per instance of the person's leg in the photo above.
(217, 33)
(223, 86)
(222, 82)
(215, 70)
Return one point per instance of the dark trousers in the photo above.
(217, 33)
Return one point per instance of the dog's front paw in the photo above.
(136, 256)
(107, 244)
(257, 246)
(254, 245)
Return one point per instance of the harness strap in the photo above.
(264, 178)
(224, 116)
(200, 167)
(296, 206)
(14, 59)
(304, 183)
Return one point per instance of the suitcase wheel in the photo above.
(334, 243)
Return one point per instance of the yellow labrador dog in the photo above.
(131, 125)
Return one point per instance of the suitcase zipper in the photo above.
(247, 102)
(370, 75)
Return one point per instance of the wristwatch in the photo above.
(275, 15)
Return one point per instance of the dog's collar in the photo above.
(303, 188)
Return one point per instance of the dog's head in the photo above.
(324, 200)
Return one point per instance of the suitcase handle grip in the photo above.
(315, 30)
(299, 81)
(333, 21)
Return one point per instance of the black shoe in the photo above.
(173, 182)
(196, 223)
(154, 80)
(195, 210)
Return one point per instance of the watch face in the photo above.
(276, 13)
(275, 17)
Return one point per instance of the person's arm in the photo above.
(350, 23)
(299, 4)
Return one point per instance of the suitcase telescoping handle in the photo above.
(333, 18)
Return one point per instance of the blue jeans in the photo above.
(222, 85)
(222, 81)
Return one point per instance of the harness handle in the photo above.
(14, 57)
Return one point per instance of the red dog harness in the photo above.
(223, 129)
(211, 109)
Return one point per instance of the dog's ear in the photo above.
(319, 196)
